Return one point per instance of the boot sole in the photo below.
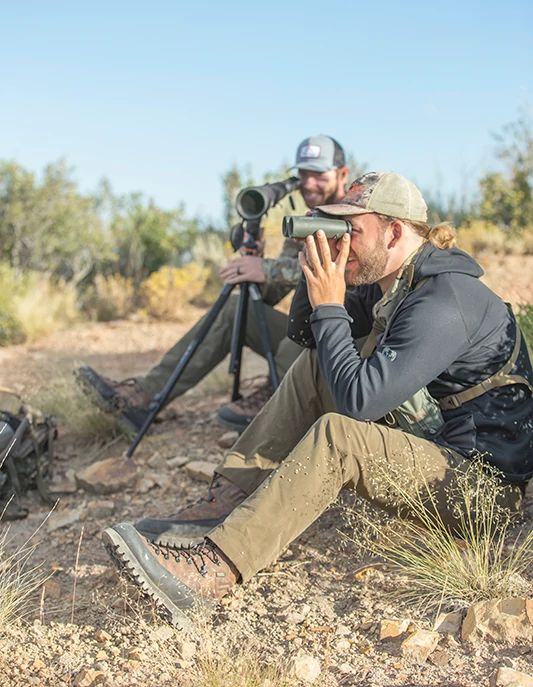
(171, 609)
(107, 407)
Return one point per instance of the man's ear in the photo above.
(344, 174)
(397, 230)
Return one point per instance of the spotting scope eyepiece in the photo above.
(253, 202)
(301, 227)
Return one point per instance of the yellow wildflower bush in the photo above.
(166, 293)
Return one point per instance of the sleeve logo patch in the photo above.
(389, 353)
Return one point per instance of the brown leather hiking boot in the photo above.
(238, 414)
(198, 518)
(176, 577)
(126, 399)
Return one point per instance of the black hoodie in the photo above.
(449, 334)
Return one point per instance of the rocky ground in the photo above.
(318, 613)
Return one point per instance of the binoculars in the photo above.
(301, 227)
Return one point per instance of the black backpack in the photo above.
(26, 453)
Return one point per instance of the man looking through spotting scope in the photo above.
(321, 167)
(414, 372)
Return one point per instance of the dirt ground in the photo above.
(311, 601)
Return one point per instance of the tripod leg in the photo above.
(160, 398)
(237, 339)
(259, 311)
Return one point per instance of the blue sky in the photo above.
(163, 97)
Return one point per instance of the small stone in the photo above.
(298, 616)
(63, 518)
(144, 484)
(177, 462)
(507, 677)
(228, 439)
(186, 650)
(390, 628)
(419, 645)
(135, 654)
(132, 665)
(343, 631)
(448, 623)
(346, 668)
(439, 658)
(87, 677)
(100, 509)
(367, 625)
(38, 665)
(305, 667)
(107, 476)
(343, 645)
(102, 636)
(503, 620)
(200, 470)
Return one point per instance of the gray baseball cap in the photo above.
(319, 154)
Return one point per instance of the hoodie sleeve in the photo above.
(426, 335)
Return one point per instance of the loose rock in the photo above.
(63, 518)
(87, 677)
(107, 476)
(390, 628)
(200, 470)
(507, 677)
(228, 439)
(503, 620)
(305, 667)
(100, 509)
(419, 645)
(448, 623)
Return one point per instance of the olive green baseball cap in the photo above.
(386, 193)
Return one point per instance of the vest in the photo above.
(421, 414)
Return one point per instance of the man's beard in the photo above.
(371, 264)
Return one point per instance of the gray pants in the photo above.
(216, 346)
(298, 454)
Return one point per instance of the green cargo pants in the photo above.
(298, 454)
(216, 346)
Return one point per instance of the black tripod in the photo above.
(252, 203)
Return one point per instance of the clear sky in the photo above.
(163, 97)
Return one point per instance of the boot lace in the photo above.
(194, 554)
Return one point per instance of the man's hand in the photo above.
(324, 276)
(244, 268)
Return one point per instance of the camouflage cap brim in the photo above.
(343, 209)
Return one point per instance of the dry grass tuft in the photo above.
(230, 656)
(19, 579)
(78, 416)
(486, 557)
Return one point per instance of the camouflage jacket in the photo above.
(282, 273)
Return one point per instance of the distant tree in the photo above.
(47, 224)
(145, 237)
(507, 196)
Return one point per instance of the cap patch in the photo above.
(310, 151)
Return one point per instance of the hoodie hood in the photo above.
(432, 261)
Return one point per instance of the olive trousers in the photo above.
(217, 345)
(298, 453)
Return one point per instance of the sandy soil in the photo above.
(310, 601)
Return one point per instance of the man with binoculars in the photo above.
(415, 372)
(320, 162)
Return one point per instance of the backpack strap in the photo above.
(500, 378)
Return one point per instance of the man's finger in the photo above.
(323, 246)
(342, 257)
(313, 259)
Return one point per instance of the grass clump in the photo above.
(77, 414)
(19, 579)
(485, 556)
